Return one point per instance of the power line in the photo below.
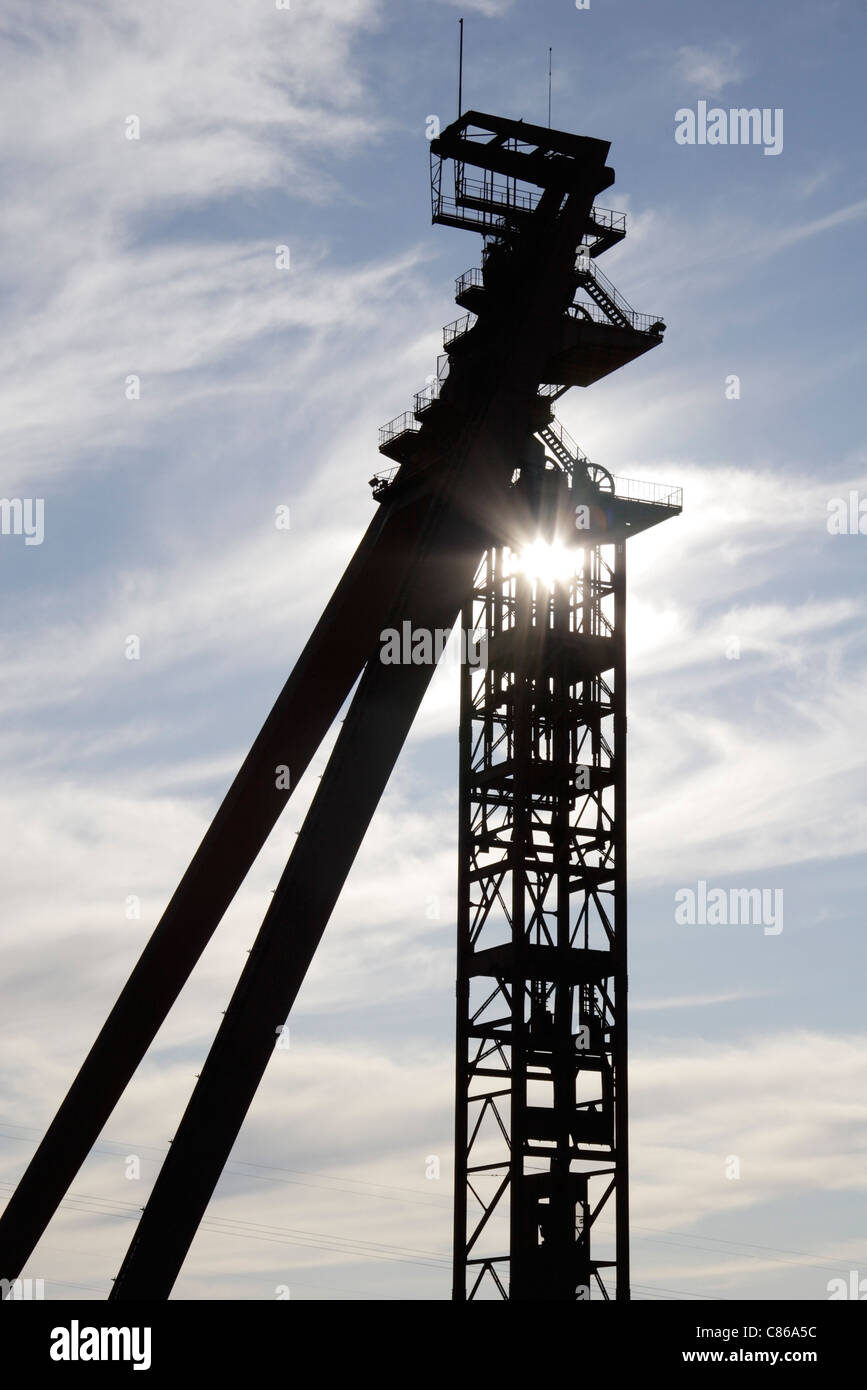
(327, 1183)
(353, 1247)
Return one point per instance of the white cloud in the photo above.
(232, 103)
(489, 9)
(693, 1001)
(710, 69)
(327, 1187)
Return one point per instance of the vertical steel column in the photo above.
(520, 852)
(621, 1088)
(462, 987)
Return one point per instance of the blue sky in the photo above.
(259, 387)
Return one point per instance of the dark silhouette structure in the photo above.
(486, 495)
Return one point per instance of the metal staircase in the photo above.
(562, 445)
(600, 289)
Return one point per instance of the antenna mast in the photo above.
(549, 88)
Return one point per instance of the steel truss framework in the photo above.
(542, 945)
(541, 1151)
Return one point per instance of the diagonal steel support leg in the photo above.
(320, 682)
(372, 736)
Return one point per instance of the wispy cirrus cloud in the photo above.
(710, 69)
(111, 237)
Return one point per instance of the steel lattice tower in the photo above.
(541, 1135)
(481, 474)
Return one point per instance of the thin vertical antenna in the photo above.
(549, 89)
(461, 70)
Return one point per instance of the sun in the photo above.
(548, 562)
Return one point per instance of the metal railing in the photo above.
(380, 481)
(507, 195)
(504, 195)
(588, 311)
(607, 217)
(641, 323)
(401, 424)
(658, 494)
(471, 279)
(457, 328)
(436, 184)
(446, 206)
(427, 395)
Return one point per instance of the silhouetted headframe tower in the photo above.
(492, 516)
